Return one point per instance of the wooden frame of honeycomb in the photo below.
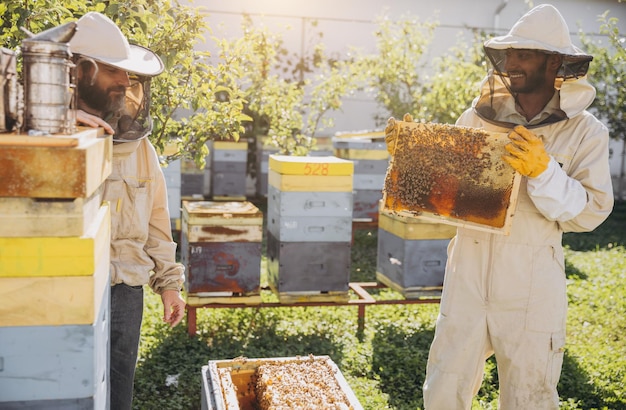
(453, 175)
(312, 382)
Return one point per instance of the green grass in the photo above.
(385, 368)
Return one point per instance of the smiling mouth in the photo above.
(514, 76)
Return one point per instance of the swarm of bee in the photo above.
(305, 384)
(450, 171)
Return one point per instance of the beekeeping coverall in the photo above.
(506, 294)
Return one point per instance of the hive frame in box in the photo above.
(224, 396)
(437, 154)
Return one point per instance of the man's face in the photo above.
(105, 91)
(527, 70)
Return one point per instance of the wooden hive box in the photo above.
(55, 281)
(54, 166)
(56, 366)
(221, 249)
(452, 175)
(60, 217)
(233, 384)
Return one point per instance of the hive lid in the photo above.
(313, 166)
(453, 175)
(217, 212)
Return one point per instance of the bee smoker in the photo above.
(49, 89)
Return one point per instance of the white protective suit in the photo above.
(507, 294)
(141, 233)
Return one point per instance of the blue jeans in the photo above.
(126, 317)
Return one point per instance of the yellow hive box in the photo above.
(414, 228)
(48, 167)
(354, 153)
(242, 145)
(55, 300)
(308, 183)
(30, 257)
(360, 134)
(322, 166)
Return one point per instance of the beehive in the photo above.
(309, 227)
(54, 271)
(412, 254)
(173, 182)
(263, 152)
(221, 249)
(368, 151)
(454, 175)
(287, 382)
(229, 161)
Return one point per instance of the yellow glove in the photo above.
(391, 133)
(526, 152)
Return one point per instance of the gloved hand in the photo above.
(391, 134)
(526, 152)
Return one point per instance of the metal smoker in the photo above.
(49, 89)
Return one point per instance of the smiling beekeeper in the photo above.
(506, 295)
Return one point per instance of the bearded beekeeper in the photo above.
(113, 86)
(506, 295)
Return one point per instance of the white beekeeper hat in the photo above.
(544, 29)
(99, 38)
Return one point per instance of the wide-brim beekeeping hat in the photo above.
(99, 38)
(542, 28)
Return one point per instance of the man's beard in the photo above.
(534, 81)
(100, 99)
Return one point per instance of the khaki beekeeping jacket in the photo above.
(142, 249)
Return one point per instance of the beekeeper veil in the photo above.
(98, 39)
(542, 29)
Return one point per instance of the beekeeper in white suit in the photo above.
(505, 295)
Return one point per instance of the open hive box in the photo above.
(312, 382)
(453, 175)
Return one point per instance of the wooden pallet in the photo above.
(411, 292)
(225, 298)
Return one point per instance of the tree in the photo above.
(192, 101)
(608, 70)
(403, 78)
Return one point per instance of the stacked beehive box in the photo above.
(309, 227)
(412, 254)
(221, 249)
(229, 162)
(194, 183)
(263, 152)
(172, 173)
(369, 153)
(54, 271)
